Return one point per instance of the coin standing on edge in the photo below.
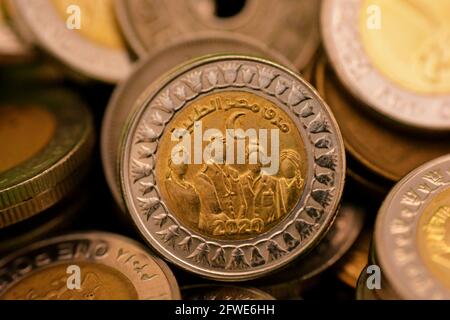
(210, 218)
(47, 138)
(404, 78)
(82, 34)
(128, 93)
(229, 293)
(412, 233)
(111, 267)
(287, 26)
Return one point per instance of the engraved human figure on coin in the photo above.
(232, 167)
(235, 200)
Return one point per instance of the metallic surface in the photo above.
(139, 84)
(288, 26)
(385, 151)
(222, 292)
(112, 267)
(94, 51)
(401, 75)
(411, 234)
(224, 258)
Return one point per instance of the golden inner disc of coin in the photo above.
(24, 132)
(408, 41)
(434, 237)
(243, 190)
(98, 282)
(96, 20)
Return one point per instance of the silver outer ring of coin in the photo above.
(151, 68)
(176, 18)
(252, 293)
(387, 242)
(98, 242)
(308, 111)
(339, 239)
(49, 31)
(342, 41)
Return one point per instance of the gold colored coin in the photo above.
(97, 20)
(412, 45)
(99, 282)
(23, 133)
(387, 152)
(243, 209)
(433, 236)
(109, 267)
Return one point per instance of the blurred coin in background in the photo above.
(81, 34)
(12, 49)
(288, 26)
(184, 210)
(129, 93)
(223, 292)
(386, 152)
(399, 65)
(111, 267)
(412, 234)
(47, 139)
(342, 235)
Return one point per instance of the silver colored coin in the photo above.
(261, 253)
(41, 23)
(111, 267)
(340, 20)
(222, 292)
(127, 94)
(288, 26)
(411, 235)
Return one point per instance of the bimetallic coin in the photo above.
(126, 96)
(396, 64)
(412, 233)
(46, 138)
(288, 26)
(82, 34)
(11, 47)
(217, 216)
(389, 153)
(111, 267)
(216, 292)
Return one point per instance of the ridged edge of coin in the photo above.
(52, 176)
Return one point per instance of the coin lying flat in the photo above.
(397, 65)
(46, 137)
(82, 34)
(111, 267)
(387, 152)
(215, 215)
(412, 233)
(11, 47)
(340, 238)
(216, 292)
(288, 26)
(151, 68)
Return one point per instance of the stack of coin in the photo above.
(412, 236)
(47, 141)
(390, 103)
